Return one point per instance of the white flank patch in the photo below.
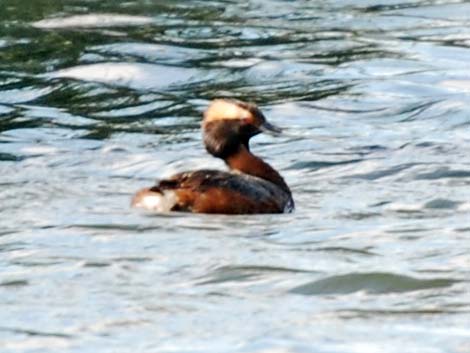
(157, 202)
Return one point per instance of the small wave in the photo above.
(443, 173)
(5, 110)
(436, 204)
(440, 203)
(155, 53)
(315, 165)
(374, 282)
(35, 332)
(340, 249)
(10, 157)
(243, 273)
(23, 95)
(14, 283)
(383, 173)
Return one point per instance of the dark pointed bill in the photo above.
(270, 128)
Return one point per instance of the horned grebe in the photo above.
(251, 186)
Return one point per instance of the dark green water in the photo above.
(99, 98)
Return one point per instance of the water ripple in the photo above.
(375, 283)
(244, 273)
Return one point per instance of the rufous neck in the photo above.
(246, 162)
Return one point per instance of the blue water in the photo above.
(100, 98)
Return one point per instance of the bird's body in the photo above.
(251, 186)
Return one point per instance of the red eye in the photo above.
(246, 121)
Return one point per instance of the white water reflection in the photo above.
(132, 75)
(93, 21)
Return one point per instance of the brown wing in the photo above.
(212, 191)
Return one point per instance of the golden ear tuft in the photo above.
(224, 109)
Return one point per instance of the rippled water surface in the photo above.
(99, 98)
